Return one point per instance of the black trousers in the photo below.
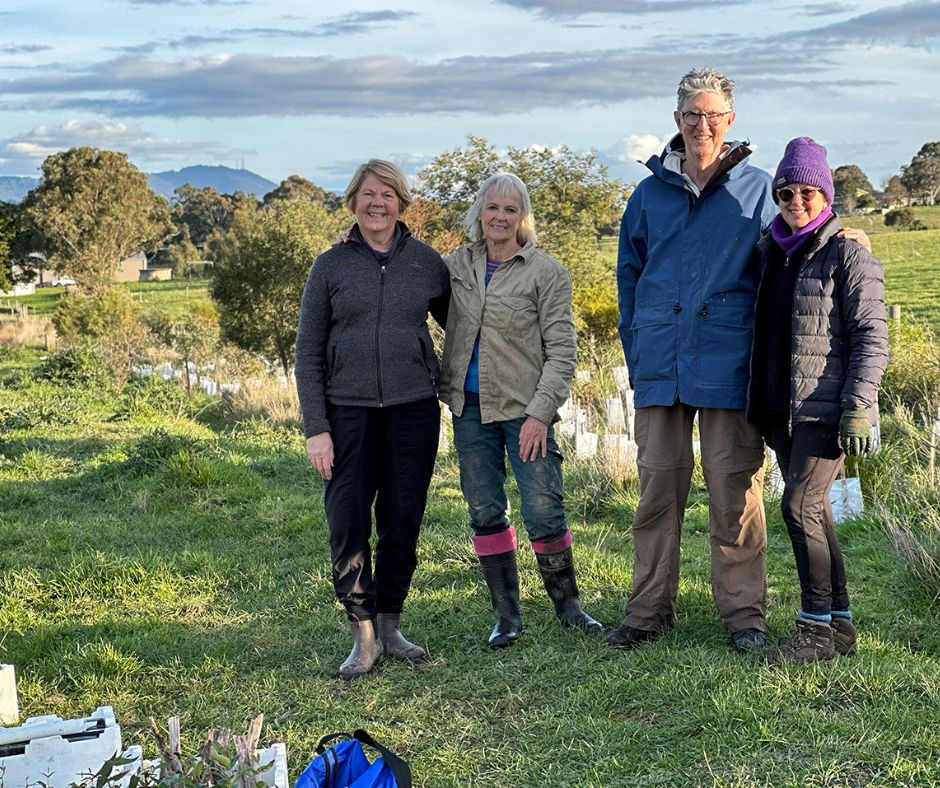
(809, 461)
(383, 456)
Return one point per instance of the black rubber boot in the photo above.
(502, 578)
(558, 575)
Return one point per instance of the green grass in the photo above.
(171, 565)
(912, 272)
(175, 298)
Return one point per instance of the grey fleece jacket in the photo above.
(363, 336)
(839, 336)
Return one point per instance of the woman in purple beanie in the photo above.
(820, 350)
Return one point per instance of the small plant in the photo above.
(80, 365)
(225, 761)
(152, 395)
(152, 450)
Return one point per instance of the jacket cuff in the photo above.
(542, 408)
(312, 428)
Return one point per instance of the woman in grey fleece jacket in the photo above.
(367, 376)
(820, 350)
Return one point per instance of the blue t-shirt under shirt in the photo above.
(472, 381)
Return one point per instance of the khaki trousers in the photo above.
(733, 465)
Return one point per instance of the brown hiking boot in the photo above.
(844, 635)
(810, 641)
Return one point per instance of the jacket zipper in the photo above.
(378, 326)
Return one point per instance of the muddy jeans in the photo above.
(733, 464)
(481, 451)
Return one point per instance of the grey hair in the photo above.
(502, 183)
(705, 80)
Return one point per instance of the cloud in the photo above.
(33, 146)
(637, 147)
(570, 8)
(350, 24)
(360, 21)
(23, 49)
(251, 84)
(911, 24)
(248, 84)
(823, 9)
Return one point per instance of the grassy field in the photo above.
(175, 298)
(169, 565)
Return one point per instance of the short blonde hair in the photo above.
(502, 183)
(705, 80)
(390, 174)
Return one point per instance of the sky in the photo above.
(315, 88)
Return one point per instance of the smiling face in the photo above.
(377, 209)
(704, 142)
(500, 217)
(805, 204)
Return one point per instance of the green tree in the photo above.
(92, 209)
(203, 211)
(260, 277)
(921, 177)
(894, 193)
(7, 240)
(195, 339)
(575, 202)
(296, 187)
(852, 187)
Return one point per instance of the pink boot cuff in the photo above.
(493, 544)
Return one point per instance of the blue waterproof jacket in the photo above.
(687, 282)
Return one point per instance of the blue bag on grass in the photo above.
(345, 765)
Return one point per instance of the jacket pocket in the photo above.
(429, 360)
(725, 332)
(331, 360)
(653, 344)
(521, 314)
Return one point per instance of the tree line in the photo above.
(93, 208)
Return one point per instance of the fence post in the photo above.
(894, 312)
(932, 454)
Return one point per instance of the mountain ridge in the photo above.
(227, 180)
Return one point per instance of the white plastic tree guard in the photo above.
(275, 776)
(9, 706)
(60, 752)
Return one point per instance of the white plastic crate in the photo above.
(59, 752)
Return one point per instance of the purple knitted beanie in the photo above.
(804, 161)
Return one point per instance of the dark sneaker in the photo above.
(810, 641)
(844, 635)
(625, 638)
(745, 640)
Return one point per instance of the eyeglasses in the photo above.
(786, 195)
(711, 118)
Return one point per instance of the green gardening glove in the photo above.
(855, 434)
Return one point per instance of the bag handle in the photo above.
(321, 747)
(399, 768)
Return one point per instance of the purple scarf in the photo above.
(790, 242)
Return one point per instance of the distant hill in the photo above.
(226, 180)
(14, 188)
(223, 179)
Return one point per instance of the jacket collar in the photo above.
(401, 231)
(737, 152)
